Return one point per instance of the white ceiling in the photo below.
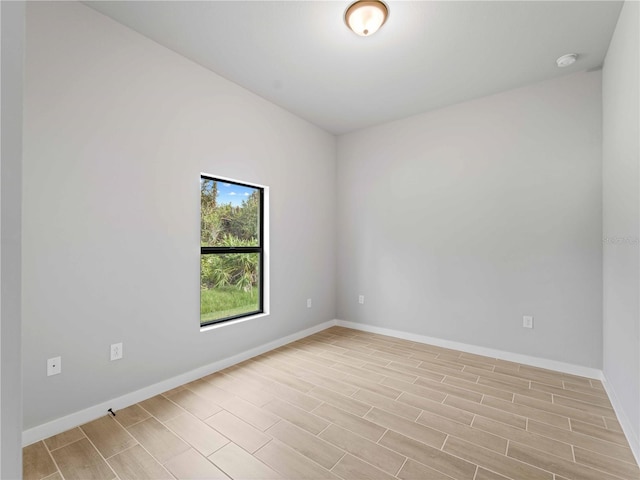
(301, 56)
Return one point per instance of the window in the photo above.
(231, 250)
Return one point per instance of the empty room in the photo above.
(320, 240)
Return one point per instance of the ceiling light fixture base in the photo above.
(365, 17)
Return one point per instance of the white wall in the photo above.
(12, 19)
(456, 223)
(117, 131)
(621, 220)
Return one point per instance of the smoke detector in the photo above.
(566, 60)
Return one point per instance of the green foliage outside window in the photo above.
(229, 217)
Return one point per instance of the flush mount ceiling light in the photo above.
(366, 17)
(566, 60)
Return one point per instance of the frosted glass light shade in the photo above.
(366, 17)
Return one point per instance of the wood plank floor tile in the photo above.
(552, 463)
(347, 404)
(524, 437)
(312, 366)
(54, 476)
(479, 388)
(238, 431)
(528, 412)
(495, 462)
(398, 408)
(292, 396)
(193, 403)
(613, 424)
(364, 383)
(561, 410)
(431, 392)
(469, 362)
(377, 455)
(173, 390)
(580, 440)
(190, 465)
(541, 375)
(432, 457)
(514, 389)
(391, 373)
(291, 464)
(524, 391)
(487, 475)
(358, 372)
(437, 408)
(64, 438)
(36, 462)
(450, 390)
(367, 358)
(299, 417)
(485, 411)
(207, 390)
(435, 368)
(349, 421)
(157, 439)
(108, 436)
(584, 406)
(354, 362)
(81, 461)
(531, 376)
(310, 357)
(136, 463)
(381, 352)
(198, 434)
(130, 415)
(590, 390)
(310, 446)
(498, 377)
(420, 432)
(238, 464)
(581, 396)
(413, 470)
(407, 354)
(284, 378)
(251, 391)
(473, 435)
(314, 378)
(352, 468)
(448, 364)
(598, 432)
(161, 408)
(419, 372)
(260, 418)
(606, 464)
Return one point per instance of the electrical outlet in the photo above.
(116, 351)
(360, 299)
(54, 366)
(527, 321)
(308, 303)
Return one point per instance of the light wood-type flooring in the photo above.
(344, 404)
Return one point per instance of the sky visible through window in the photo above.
(233, 194)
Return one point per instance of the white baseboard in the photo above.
(63, 424)
(629, 432)
(487, 352)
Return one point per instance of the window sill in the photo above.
(215, 326)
